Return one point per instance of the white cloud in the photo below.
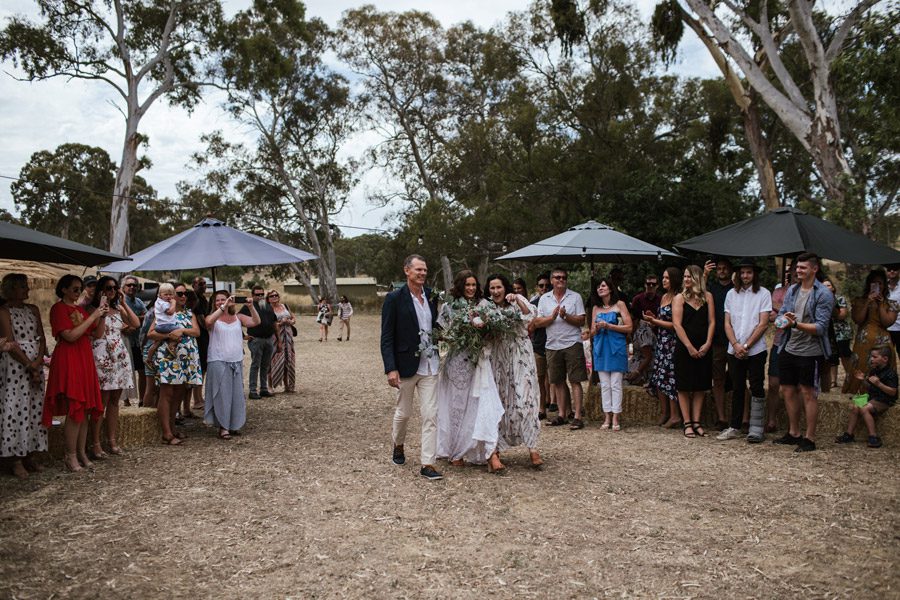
(41, 116)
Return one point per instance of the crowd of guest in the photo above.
(703, 330)
(178, 353)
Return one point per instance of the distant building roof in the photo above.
(339, 281)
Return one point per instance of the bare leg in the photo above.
(348, 329)
(112, 420)
(697, 411)
(151, 394)
(70, 435)
(82, 444)
(811, 408)
(197, 393)
(96, 426)
(854, 418)
(163, 408)
(577, 397)
(792, 405)
(561, 399)
(869, 419)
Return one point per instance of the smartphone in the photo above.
(240, 299)
(876, 287)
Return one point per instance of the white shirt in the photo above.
(561, 334)
(159, 310)
(226, 342)
(744, 307)
(428, 365)
(894, 294)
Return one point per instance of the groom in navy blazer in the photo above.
(410, 361)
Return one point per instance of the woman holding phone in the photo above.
(225, 405)
(112, 358)
(873, 313)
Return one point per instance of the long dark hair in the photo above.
(507, 286)
(100, 290)
(613, 293)
(870, 279)
(675, 280)
(459, 285)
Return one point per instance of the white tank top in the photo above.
(226, 342)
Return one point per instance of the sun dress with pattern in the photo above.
(662, 379)
(112, 355)
(72, 387)
(22, 400)
(282, 368)
(515, 373)
(184, 367)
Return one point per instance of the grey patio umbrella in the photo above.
(22, 243)
(788, 231)
(591, 241)
(207, 245)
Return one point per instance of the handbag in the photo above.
(293, 331)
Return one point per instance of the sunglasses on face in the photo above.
(130, 285)
(273, 296)
(650, 283)
(76, 290)
(111, 288)
(258, 295)
(181, 294)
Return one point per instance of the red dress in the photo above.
(72, 388)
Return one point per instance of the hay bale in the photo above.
(138, 426)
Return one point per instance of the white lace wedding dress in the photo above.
(469, 407)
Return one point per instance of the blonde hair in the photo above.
(697, 289)
(166, 287)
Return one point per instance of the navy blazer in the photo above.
(400, 331)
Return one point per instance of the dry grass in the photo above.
(307, 505)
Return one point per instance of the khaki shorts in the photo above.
(540, 362)
(719, 362)
(567, 362)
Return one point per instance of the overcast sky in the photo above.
(41, 116)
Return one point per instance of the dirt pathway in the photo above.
(308, 505)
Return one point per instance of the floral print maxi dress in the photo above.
(184, 368)
(512, 362)
(662, 379)
(112, 355)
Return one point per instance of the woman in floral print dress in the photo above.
(662, 379)
(112, 357)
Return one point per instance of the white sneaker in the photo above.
(729, 434)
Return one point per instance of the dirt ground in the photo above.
(306, 504)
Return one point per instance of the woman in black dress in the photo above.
(693, 317)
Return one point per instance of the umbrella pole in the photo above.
(214, 280)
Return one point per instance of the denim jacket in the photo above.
(818, 306)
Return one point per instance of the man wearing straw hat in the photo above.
(747, 308)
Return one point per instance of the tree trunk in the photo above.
(483, 264)
(303, 277)
(762, 158)
(448, 273)
(119, 237)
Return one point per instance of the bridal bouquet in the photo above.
(465, 327)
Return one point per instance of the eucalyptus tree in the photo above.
(143, 50)
(813, 118)
(302, 114)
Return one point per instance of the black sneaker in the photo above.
(399, 458)
(874, 441)
(254, 396)
(788, 440)
(429, 473)
(266, 394)
(805, 445)
(844, 438)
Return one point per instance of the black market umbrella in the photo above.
(207, 245)
(22, 243)
(788, 231)
(591, 241)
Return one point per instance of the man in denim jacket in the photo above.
(804, 317)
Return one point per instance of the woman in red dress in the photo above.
(73, 388)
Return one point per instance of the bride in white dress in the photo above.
(469, 407)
